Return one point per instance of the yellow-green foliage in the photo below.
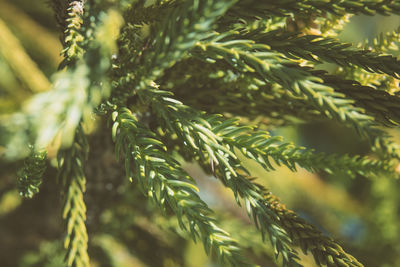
(146, 86)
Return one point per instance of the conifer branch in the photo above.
(196, 132)
(245, 94)
(60, 8)
(161, 178)
(258, 146)
(220, 136)
(382, 105)
(386, 43)
(138, 14)
(338, 7)
(317, 48)
(247, 58)
(261, 147)
(332, 25)
(30, 176)
(88, 61)
(248, 100)
(73, 35)
(380, 140)
(242, 90)
(182, 27)
(230, 21)
(325, 250)
(72, 177)
(272, 67)
(80, 89)
(70, 87)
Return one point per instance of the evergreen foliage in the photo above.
(205, 81)
(30, 176)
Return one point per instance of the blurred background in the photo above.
(362, 214)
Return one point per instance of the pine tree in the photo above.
(159, 83)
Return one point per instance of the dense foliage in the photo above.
(163, 83)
